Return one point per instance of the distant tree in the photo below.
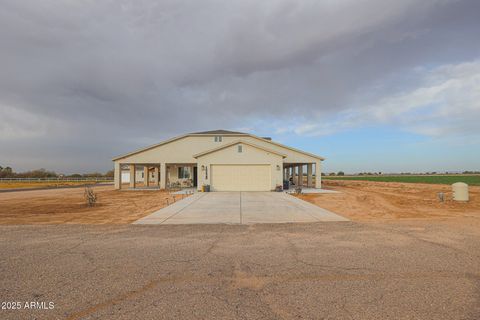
(38, 173)
(331, 174)
(109, 174)
(340, 173)
(6, 172)
(323, 174)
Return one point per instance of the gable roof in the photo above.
(201, 154)
(233, 133)
(221, 131)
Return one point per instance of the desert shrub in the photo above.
(90, 197)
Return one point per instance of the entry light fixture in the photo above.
(278, 167)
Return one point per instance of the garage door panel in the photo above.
(240, 177)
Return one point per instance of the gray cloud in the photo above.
(83, 81)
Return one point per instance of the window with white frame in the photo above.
(183, 173)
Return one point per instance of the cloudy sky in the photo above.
(368, 84)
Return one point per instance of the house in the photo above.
(225, 160)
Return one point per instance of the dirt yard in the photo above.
(357, 200)
(69, 206)
(366, 200)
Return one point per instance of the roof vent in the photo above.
(267, 138)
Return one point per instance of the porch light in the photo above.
(278, 167)
(203, 167)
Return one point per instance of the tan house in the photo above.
(224, 160)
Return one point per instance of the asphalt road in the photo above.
(334, 270)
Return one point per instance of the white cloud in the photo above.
(447, 101)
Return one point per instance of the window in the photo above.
(239, 148)
(183, 173)
(218, 138)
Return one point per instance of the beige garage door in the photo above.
(240, 177)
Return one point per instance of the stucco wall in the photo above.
(182, 150)
(250, 155)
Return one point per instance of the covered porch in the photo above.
(303, 174)
(155, 176)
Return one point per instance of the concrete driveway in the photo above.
(240, 208)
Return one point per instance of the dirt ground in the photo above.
(404, 269)
(68, 206)
(357, 200)
(366, 200)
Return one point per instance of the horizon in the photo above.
(371, 86)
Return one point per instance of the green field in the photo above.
(473, 180)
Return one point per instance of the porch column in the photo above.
(145, 176)
(294, 176)
(191, 174)
(318, 175)
(163, 175)
(300, 175)
(156, 172)
(132, 176)
(309, 175)
(117, 175)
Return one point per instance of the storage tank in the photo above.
(460, 191)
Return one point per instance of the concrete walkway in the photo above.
(239, 208)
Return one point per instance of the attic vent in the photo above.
(267, 138)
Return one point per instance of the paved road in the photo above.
(240, 208)
(335, 270)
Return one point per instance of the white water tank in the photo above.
(460, 191)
